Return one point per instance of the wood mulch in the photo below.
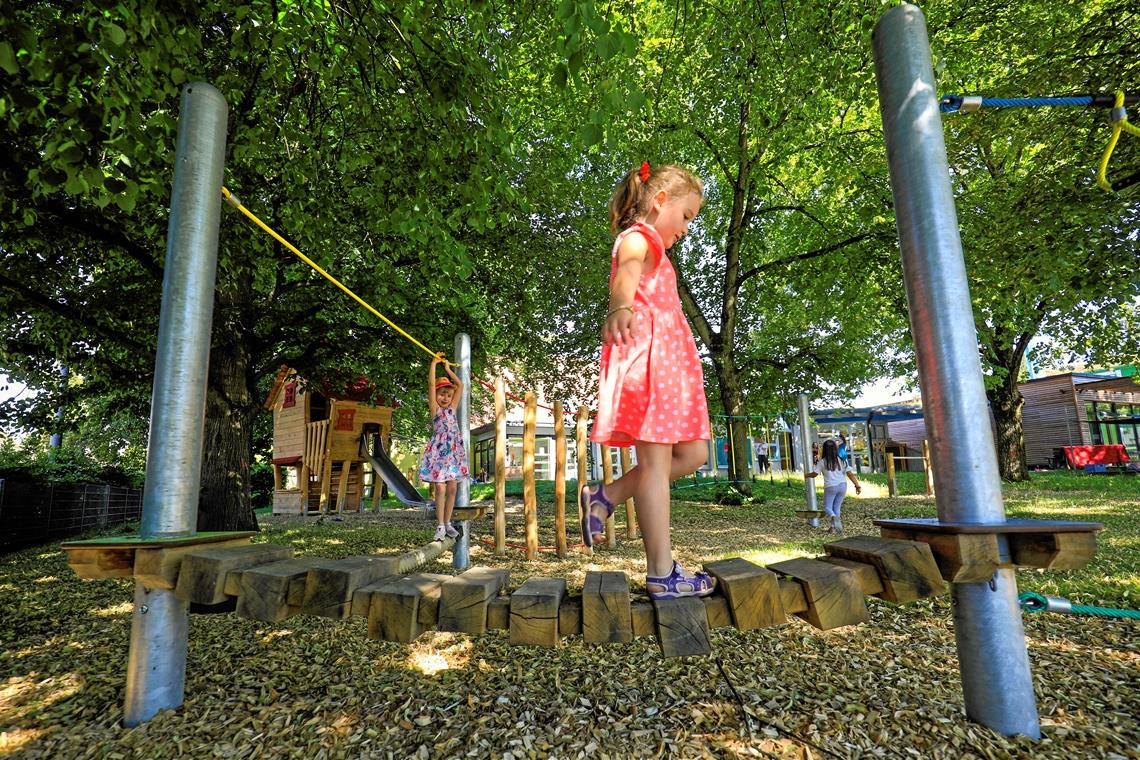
(318, 688)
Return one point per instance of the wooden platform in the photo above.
(972, 552)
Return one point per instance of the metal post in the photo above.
(996, 681)
(156, 667)
(460, 553)
(805, 458)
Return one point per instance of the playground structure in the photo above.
(316, 446)
(979, 556)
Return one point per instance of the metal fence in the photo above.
(33, 513)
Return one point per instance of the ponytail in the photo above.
(630, 200)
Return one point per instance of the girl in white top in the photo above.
(835, 472)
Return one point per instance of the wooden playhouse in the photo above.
(316, 445)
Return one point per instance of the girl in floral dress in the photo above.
(652, 392)
(445, 460)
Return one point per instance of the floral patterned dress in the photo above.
(445, 458)
(654, 390)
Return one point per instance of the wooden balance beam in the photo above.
(267, 583)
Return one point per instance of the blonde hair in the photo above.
(631, 198)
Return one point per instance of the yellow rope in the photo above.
(233, 201)
(1118, 125)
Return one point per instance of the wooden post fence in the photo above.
(607, 478)
(500, 466)
(559, 481)
(926, 468)
(630, 507)
(583, 455)
(892, 486)
(530, 495)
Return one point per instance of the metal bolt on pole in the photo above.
(156, 666)
(461, 552)
(996, 681)
(806, 461)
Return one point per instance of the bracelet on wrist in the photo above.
(616, 309)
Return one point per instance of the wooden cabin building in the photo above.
(317, 461)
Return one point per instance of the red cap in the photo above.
(443, 382)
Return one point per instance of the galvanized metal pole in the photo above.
(996, 681)
(461, 552)
(156, 667)
(805, 458)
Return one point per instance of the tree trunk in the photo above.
(225, 503)
(739, 467)
(1006, 403)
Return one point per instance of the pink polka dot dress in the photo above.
(653, 390)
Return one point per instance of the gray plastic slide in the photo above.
(395, 479)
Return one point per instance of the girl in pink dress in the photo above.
(652, 393)
(445, 460)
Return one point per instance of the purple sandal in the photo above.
(592, 524)
(677, 584)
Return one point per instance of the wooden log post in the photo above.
(500, 466)
(582, 452)
(607, 478)
(630, 504)
(463, 600)
(535, 611)
(530, 493)
(606, 616)
(892, 486)
(342, 485)
(926, 468)
(559, 481)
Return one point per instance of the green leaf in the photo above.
(8, 59)
(115, 34)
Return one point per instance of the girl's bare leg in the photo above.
(442, 513)
(685, 458)
(655, 461)
(450, 489)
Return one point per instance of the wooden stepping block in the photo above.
(718, 612)
(570, 615)
(753, 593)
(606, 615)
(643, 619)
(264, 592)
(1052, 551)
(464, 598)
(792, 597)
(394, 613)
(906, 568)
(961, 558)
(94, 564)
(159, 567)
(330, 583)
(832, 593)
(867, 575)
(682, 627)
(534, 612)
(499, 613)
(202, 577)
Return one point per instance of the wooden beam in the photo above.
(534, 612)
(158, 568)
(464, 598)
(330, 582)
(832, 593)
(606, 616)
(906, 568)
(753, 593)
(394, 608)
(263, 591)
(682, 627)
(202, 576)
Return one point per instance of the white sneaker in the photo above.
(836, 526)
(450, 530)
(440, 533)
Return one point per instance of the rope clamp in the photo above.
(971, 103)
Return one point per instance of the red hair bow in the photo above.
(644, 171)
